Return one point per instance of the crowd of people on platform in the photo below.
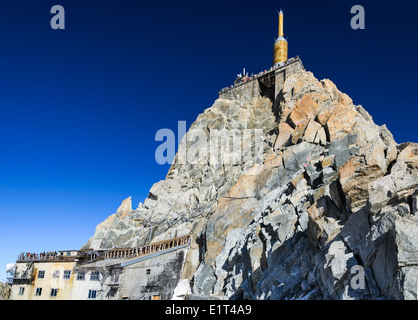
(245, 78)
(49, 255)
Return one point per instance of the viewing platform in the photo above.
(262, 76)
(118, 253)
(51, 256)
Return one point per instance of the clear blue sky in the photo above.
(80, 107)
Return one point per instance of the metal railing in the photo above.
(37, 256)
(125, 253)
(119, 253)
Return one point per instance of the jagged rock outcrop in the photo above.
(4, 290)
(332, 197)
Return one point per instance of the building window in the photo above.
(148, 271)
(81, 275)
(67, 274)
(92, 294)
(156, 297)
(41, 274)
(56, 274)
(54, 292)
(38, 291)
(94, 276)
(21, 291)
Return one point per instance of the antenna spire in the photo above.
(280, 45)
(281, 32)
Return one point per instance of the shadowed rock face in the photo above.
(332, 193)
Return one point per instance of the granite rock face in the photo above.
(4, 290)
(321, 203)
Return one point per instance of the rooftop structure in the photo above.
(269, 82)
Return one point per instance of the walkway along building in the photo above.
(148, 272)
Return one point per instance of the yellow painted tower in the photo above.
(280, 46)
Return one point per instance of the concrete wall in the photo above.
(244, 91)
(164, 275)
(283, 74)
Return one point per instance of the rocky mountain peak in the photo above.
(318, 192)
